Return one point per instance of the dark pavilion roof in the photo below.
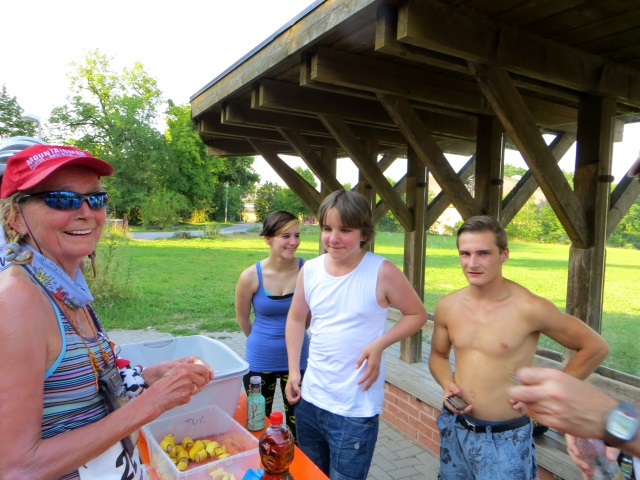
(348, 60)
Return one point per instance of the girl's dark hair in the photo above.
(276, 221)
(354, 212)
(485, 223)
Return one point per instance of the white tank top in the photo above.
(346, 317)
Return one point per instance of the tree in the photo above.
(160, 211)
(189, 171)
(112, 115)
(525, 225)
(265, 195)
(203, 179)
(289, 201)
(513, 171)
(11, 122)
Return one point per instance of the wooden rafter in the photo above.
(519, 124)
(309, 195)
(527, 185)
(207, 127)
(420, 139)
(369, 168)
(282, 96)
(335, 67)
(427, 24)
(237, 114)
(381, 207)
(441, 202)
(622, 198)
(311, 158)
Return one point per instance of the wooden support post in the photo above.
(415, 244)
(592, 183)
(489, 161)
(329, 158)
(364, 186)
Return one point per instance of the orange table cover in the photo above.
(302, 468)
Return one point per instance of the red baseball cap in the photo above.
(33, 165)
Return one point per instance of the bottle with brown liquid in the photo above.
(276, 449)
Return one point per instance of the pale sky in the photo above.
(184, 45)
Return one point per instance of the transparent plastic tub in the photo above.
(228, 368)
(211, 423)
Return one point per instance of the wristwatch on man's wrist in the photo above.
(621, 424)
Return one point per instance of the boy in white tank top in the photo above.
(348, 292)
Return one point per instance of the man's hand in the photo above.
(562, 402)
(292, 388)
(372, 354)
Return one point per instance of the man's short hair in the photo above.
(485, 223)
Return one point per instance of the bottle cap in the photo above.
(276, 418)
(255, 380)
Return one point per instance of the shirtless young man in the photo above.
(493, 325)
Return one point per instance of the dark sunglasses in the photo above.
(61, 200)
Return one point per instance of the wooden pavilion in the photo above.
(377, 80)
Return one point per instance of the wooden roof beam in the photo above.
(527, 185)
(520, 125)
(387, 42)
(622, 198)
(309, 195)
(311, 158)
(237, 114)
(207, 127)
(441, 202)
(345, 69)
(369, 168)
(282, 96)
(428, 24)
(420, 139)
(289, 43)
(237, 147)
(381, 207)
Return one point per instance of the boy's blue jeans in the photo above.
(342, 447)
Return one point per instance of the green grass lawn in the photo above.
(185, 286)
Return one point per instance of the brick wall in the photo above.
(411, 416)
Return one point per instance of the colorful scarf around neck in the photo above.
(72, 292)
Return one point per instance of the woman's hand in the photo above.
(173, 383)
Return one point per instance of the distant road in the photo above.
(238, 228)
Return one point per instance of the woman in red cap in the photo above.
(64, 413)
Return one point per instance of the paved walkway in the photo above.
(395, 457)
(153, 235)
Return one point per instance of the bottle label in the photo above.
(276, 447)
(255, 412)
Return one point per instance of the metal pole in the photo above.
(226, 202)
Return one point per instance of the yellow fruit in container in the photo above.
(167, 443)
(187, 442)
(197, 446)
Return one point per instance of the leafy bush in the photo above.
(113, 280)
(183, 235)
(389, 223)
(212, 231)
(161, 211)
(199, 216)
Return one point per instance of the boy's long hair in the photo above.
(354, 212)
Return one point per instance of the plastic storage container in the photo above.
(212, 423)
(228, 368)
